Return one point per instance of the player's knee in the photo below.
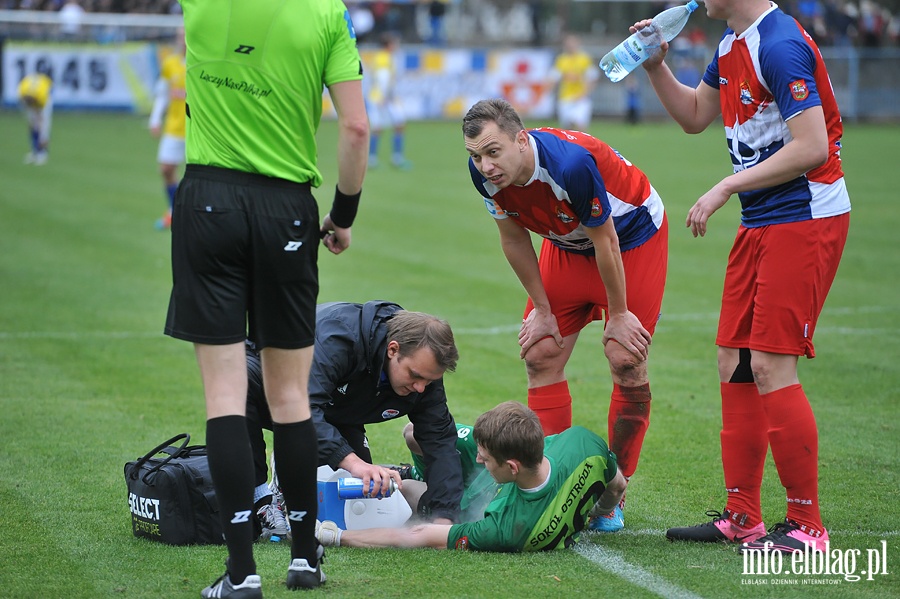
(544, 356)
(742, 371)
(773, 371)
(622, 362)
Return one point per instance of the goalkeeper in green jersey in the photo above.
(541, 493)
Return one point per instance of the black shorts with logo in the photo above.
(244, 260)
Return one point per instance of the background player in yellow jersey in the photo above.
(381, 104)
(575, 74)
(167, 120)
(35, 96)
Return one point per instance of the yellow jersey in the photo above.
(36, 89)
(381, 68)
(574, 70)
(173, 71)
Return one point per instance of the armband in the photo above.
(343, 209)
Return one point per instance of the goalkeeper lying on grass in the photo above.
(539, 492)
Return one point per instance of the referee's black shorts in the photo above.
(244, 260)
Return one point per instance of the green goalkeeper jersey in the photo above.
(255, 77)
(467, 449)
(581, 465)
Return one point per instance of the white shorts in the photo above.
(385, 116)
(171, 150)
(41, 119)
(574, 114)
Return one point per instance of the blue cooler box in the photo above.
(357, 514)
(330, 507)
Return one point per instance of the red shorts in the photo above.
(776, 282)
(576, 292)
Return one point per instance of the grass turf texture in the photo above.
(88, 381)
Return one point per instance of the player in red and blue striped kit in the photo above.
(769, 84)
(603, 224)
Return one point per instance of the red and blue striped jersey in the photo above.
(578, 182)
(765, 76)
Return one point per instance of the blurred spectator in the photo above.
(537, 20)
(633, 101)
(871, 24)
(70, 16)
(893, 29)
(840, 22)
(437, 9)
(362, 20)
(380, 16)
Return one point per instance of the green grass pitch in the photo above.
(88, 381)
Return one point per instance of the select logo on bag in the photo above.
(144, 515)
(144, 507)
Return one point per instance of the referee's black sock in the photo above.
(231, 467)
(296, 453)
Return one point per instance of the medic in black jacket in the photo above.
(374, 362)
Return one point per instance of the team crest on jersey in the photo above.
(343, 389)
(799, 90)
(596, 209)
(746, 94)
(390, 413)
(563, 216)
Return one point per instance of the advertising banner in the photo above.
(430, 83)
(442, 84)
(114, 77)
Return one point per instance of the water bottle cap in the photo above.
(692, 5)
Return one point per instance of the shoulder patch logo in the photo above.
(596, 209)
(799, 90)
(462, 543)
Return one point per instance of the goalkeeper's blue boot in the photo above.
(612, 522)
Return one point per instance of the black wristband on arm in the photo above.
(343, 209)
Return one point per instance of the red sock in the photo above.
(795, 447)
(745, 442)
(627, 422)
(553, 405)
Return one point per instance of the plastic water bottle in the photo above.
(643, 44)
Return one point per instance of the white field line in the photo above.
(79, 335)
(614, 562)
(505, 329)
(661, 532)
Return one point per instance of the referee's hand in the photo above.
(336, 239)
